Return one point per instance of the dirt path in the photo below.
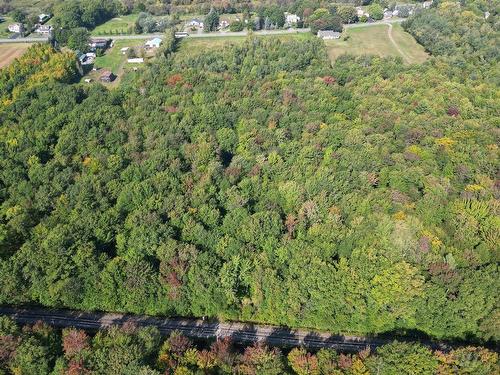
(389, 33)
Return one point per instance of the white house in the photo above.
(223, 24)
(16, 27)
(153, 43)
(136, 60)
(99, 43)
(426, 4)
(291, 19)
(194, 23)
(43, 29)
(328, 34)
(42, 18)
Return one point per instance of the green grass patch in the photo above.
(415, 52)
(4, 32)
(374, 40)
(113, 59)
(117, 25)
(31, 6)
(195, 45)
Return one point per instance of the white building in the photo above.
(136, 60)
(16, 27)
(328, 34)
(223, 24)
(43, 29)
(42, 18)
(153, 43)
(426, 4)
(291, 19)
(194, 23)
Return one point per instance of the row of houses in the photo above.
(195, 23)
(40, 27)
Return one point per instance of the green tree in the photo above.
(347, 13)
(211, 22)
(18, 15)
(79, 39)
(376, 11)
(403, 358)
(322, 19)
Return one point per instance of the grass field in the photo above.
(114, 59)
(31, 6)
(4, 33)
(9, 52)
(118, 25)
(374, 40)
(200, 45)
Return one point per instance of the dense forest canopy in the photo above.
(130, 350)
(258, 182)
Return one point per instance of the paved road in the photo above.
(210, 35)
(376, 23)
(206, 35)
(25, 40)
(240, 333)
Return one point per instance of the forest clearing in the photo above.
(376, 40)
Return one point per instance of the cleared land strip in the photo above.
(240, 333)
(404, 55)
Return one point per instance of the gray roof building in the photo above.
(328, 34)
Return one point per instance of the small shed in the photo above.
(136, 60)
(107, 76)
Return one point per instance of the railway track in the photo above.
(240, 333)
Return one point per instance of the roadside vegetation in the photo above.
(41, 350)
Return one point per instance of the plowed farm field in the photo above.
(11, 51)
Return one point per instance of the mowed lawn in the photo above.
(115, 26)
(113, 59)
(374, 40)
(11, 51)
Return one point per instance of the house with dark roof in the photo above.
(106, 76)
